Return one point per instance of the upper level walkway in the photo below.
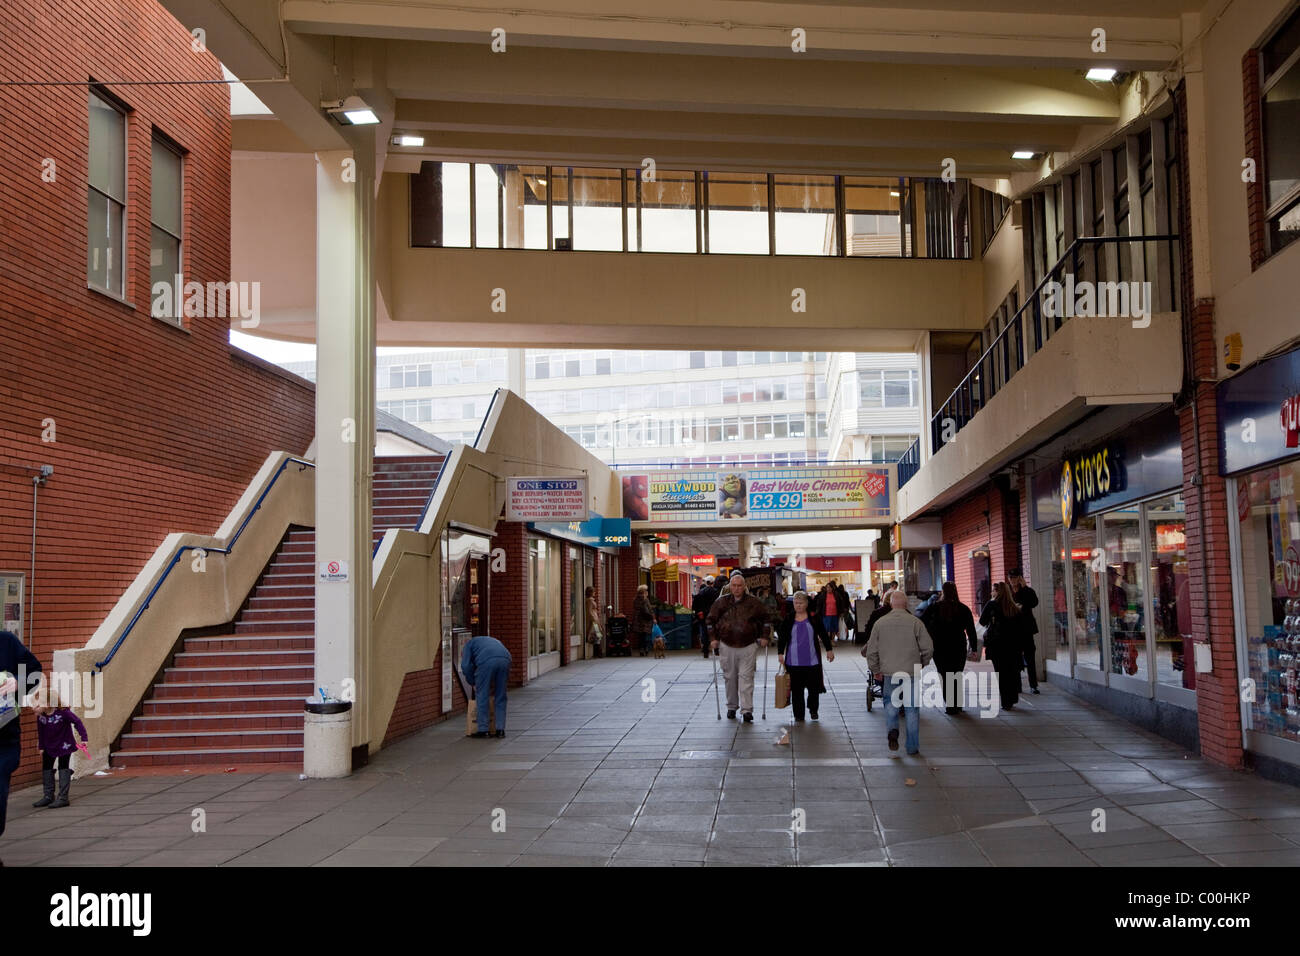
(592, 774)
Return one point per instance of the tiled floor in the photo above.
(601, 768)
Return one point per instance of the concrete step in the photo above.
(212, 739)
(197, 690)
(229, 756)
(221, 705)
(252, 659)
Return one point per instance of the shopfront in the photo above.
(1110, 568)
(1259, 418)
(581, 554)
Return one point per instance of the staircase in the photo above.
(236, 698)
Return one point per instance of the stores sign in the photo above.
(546, 499)
(1088, 477)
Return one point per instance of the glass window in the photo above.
(106, 196)
(165, 205)
(598, 209)
(805, 215)
(1126, 592)
(737, 213)
(489, 191)
(873, 216)
(1060, 609)
(666, 220)
(897, 389)
(1281, 98)
(1170, 588)
(870, 388)
(440, 205)
(1085, 621)
(1270, 573)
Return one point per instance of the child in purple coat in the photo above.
(54, 727)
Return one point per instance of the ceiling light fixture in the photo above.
(1023, 154)
(1101, 74)
(352, 111)
(408, 139)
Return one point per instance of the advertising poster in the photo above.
(546, 499)
(759, 494)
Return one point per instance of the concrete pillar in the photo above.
(516, 377)
(743, 547)
(924, 374)
(345, 420)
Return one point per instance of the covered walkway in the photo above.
(592, 774)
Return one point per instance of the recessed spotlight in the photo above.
(406, 139)
(1101, 74)
(1023, 154)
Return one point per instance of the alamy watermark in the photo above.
(174, 298)
(924, 689)
(1088, 299)
(83, 691)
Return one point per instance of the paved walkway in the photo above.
(590, 774)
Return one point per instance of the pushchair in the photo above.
(875, 690)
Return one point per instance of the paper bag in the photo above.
(782, 690)
(471, 717)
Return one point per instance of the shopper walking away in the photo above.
(486, 664)
(898, 648)
(643, 617)
(54, 735)
(799, 643)
(951, 624)
(701, 606)
(595, 633)
(736, 622)
(1003, 642)
(1027, 598)
(876, 615)
(20, 673)
(874, 598)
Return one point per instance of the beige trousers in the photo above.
(738, 666)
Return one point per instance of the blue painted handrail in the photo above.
(100, 665)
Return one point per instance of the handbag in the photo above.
(782, 688)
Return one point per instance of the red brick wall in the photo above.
(1255, 201)
(508, 598)
(966, 528)
(157, 429)
(419, 703)
(629, 562)
(1218, 704)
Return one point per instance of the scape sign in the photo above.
(546, 499)
(769, 494)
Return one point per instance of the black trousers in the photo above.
(1031, 652)
(48, 761)
(9, 755)
(951, 691)
(801, 679)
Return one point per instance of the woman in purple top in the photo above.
(54, 736)
(799, 642)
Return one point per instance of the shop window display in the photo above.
(1125, 597)
(1085, 619)
(1170, 592)
(1270, 550)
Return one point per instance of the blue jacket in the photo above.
(23, 665)
(479, 652)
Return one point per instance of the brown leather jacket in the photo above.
(737, 623)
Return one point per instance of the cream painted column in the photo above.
(743, 546)
(516, 376)
(345, 417)
(924, 374)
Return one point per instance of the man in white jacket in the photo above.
(898, 648)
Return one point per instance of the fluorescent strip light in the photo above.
(1102, 74)
(1022, 154)
(406, 139)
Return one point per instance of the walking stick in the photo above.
(716, 702)
(767, 653)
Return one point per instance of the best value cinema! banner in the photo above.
(760, 494)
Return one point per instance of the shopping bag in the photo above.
(782, 690)
(657, 633)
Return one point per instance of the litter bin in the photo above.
(327, 739)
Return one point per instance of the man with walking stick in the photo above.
(737, 621)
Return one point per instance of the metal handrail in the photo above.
(797, 463)
(100, 665)
(1014, 326)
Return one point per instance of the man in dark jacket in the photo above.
(703, 602)
(1028, 600)
(738, 622)
(20, 673)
